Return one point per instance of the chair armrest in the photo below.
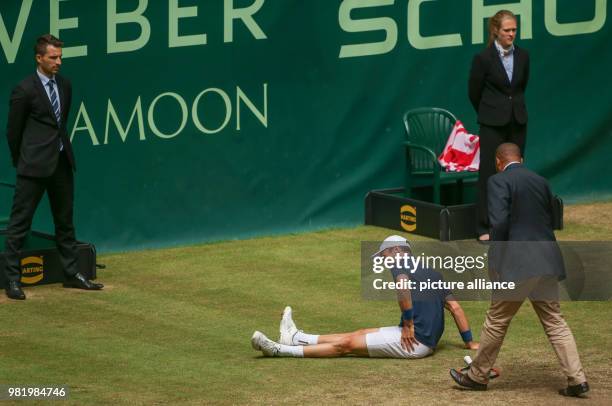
(428, 151)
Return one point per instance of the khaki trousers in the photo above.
(496, 324)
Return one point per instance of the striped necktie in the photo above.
(55, 105)
(54, 101)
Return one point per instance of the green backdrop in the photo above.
(288, 111)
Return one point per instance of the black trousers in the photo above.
(28, 192)
(491, 138)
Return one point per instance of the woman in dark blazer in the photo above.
(498, 79)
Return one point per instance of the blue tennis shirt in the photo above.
(427, 306)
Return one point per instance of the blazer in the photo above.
(33, 132)
(521, 218)
(495, 98)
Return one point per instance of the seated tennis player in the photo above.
(422, 324)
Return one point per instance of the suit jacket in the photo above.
(33, 132)
(521, 217)
(495, 98)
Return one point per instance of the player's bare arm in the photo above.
(461, 321)
(405, 303)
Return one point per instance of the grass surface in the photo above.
(173, 326)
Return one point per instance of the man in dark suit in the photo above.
(524, 251)
(496, 88)
(42, 153)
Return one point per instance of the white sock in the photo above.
(301, 338)
(296, 351)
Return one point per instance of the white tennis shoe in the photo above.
(262, 343)
(287, 328)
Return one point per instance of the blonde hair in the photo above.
(495, 23)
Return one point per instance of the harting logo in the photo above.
(32, 270)
(408, 218)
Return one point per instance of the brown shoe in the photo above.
(464, 381)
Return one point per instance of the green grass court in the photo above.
(173, 326)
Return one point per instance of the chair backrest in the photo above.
(430, 127)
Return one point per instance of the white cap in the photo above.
(390, 242)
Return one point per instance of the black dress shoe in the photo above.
(575, 390)
(78, 281)
(13, 291)
(464, 381)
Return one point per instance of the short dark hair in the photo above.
(508, 151)
(40, 48)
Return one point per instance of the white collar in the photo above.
(510, 163)
(44, 78)
(502, 51)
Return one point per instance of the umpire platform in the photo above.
(450, 220)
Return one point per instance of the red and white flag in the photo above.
(462, 151)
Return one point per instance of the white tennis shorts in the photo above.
(386, 343)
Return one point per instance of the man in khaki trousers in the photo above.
(524, 251)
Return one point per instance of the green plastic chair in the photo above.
(427, 131)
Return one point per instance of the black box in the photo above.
(40, 261)
(389, 208)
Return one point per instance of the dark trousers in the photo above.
(491, 138)
(28, 192)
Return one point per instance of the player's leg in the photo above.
(331, 338)
(342, 344)
(290, 335)
(352, 343)
(384, 342)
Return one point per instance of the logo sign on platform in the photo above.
(32, 270)
(408, 219)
